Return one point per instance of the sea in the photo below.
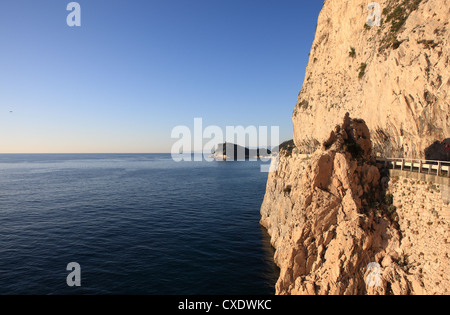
(136, 224)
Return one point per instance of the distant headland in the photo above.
(235, 152)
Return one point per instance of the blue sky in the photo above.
(136, 69)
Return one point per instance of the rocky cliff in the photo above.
(394, 76)
(341, 226)
(319, 216)
(338, 222)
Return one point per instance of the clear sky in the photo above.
(135, 69)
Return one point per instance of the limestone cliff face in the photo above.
(424, 220)
(341, 226)
(326, 231)
(394, 76)
(338, 222)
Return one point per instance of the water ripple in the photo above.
(137, 224)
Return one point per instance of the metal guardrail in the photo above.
(414, 165)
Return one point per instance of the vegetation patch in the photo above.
(352, 52)
(304, 104)
(397, 18)
(391, 212)
(396, 13)
(362, 70)
(379, 205)
(389, 199)
(428, 44)
(287, 190)
(351, 146)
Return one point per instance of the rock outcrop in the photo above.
(394, 76)
(337, 224)
(331, 233)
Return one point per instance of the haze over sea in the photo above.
(136, 223)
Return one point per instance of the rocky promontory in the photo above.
(234, 152)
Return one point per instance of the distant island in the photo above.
(235, 152)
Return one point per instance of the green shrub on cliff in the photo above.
(353, 148)
(392, 212)
(389, 199)
(396, 13)
(362, 70)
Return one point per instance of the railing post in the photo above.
(439, 169)
(403, 164)
(412, 165)
(420, 166)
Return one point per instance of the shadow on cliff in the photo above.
(271, 271)
(386, 200)
(438, 151)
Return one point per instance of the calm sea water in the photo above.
(137, 224)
